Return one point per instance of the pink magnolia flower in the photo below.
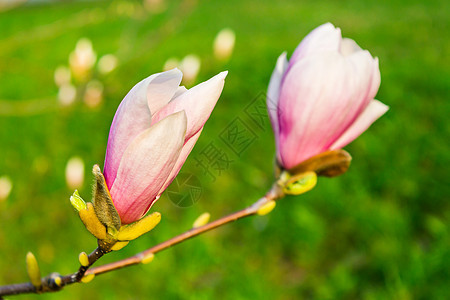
(154, 130)
(323, 98)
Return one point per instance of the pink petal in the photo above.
(162, 89)
(198, 102)
(180, 90)
(320, 97)
(373, 111)
(348, 46)
(187, 148)
(366, 81)
(134, 116)
(322, 39)
(273, 92)
(145, 165)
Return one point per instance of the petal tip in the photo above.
(222, 75)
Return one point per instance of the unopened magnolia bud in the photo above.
(82, 59)
(33, 270)
(107, 63)
(93, 95)
(67, 94)
(5, 187)
(62, 75)
(203, 219)
(266, 208)
(148, 258)
(224, 44)
(300, 183)
(75, 172)
(83, 258)
(57, 280)
(87, 278)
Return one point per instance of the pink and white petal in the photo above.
(313, 92)
(187, 148)
(145, 165)
(376, 79)
(374, 110)
(360, 76)
(273, 91)
(134, 116)
(348, 46)
(162, 89)
(323, 38)
(198, 102)
(181, 89)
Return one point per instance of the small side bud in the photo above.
(33, 270)
(119, 245)
(83, 258)
(301, 183)
(77, 202)
(203, 219)
(87, 278)
(54, 281)
(57, 280)
(266, 208)
(136, 229)
(147, 258)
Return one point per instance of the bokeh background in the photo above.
(379, 231)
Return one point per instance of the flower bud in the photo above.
(154, 130)
(323, 98)
(224, 44)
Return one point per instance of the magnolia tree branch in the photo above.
(54, 282)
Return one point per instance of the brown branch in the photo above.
(49, 284)
(136, 259)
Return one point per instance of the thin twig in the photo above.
(49, 282)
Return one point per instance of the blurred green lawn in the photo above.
(378, 232)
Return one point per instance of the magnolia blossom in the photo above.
(75, 172)
(154, 130)
(93, 94)
(5, 187)
(224, 44)
(82, 59)
(323, 98)
(107, 63)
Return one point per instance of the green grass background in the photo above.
(378, 232)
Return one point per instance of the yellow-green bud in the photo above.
(203, 219)
(83, 258)
(33, 270)
(300, 183)
(77, 202)
(266, 208)
(87, 278)
(58, 280)
(148, 258)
